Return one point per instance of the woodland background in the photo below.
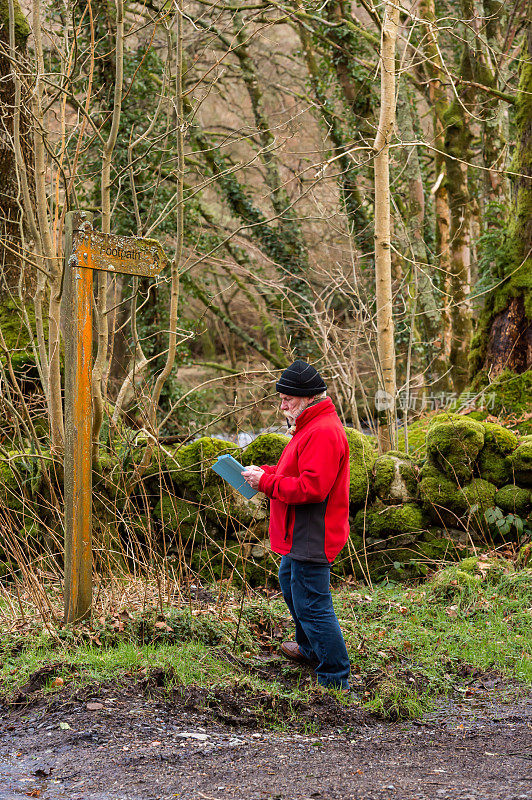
(244, 137)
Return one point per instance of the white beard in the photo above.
(301, 406)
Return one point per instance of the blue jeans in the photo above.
(305, 588)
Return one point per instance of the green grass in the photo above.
(436, 635)
(407, 645)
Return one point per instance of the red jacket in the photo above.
(309, 488)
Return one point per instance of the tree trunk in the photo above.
(508, 313)
(439, 102)
(10, 215)
(457, 149)
(383, 267)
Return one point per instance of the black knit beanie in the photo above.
(300, 380)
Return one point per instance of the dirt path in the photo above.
(213, 747)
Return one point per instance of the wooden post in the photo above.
(85, 251)
(77, 299)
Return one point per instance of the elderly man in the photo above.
(309, 512)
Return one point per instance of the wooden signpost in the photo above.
(87, 250)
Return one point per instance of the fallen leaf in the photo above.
(408, 647)
(64, 726)
(452, 611)
(58, 682)
(94, 706)
(163, 626)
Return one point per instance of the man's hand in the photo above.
(252, 475)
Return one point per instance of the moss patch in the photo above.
(468, 576)
(480, 494)
(22, 28)
(227, 508)
(514, 500)
(194, 462)
(454, 442)
(174, 512)
(493, 464)
(384, 522)
(521, 463)
(265, 449)
(509, 396)
(361, 460)
(417, 435)
(441, 497)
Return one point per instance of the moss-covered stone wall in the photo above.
(470, 484)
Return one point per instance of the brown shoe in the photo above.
(291, 651)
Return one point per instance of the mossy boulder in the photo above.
(499, 438)
(521, 463)
(361, 460)
(192, 466)
(395, 479)
(384, 522)
(514, 500)
(493, 463)
(265, 449)
(174, 512)
(479, 495)
(454, 442)
(15, 330)
(441, 497)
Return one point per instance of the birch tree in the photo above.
(383, 264)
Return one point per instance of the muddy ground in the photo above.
(135, 740)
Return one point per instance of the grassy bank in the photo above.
(407, 645)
